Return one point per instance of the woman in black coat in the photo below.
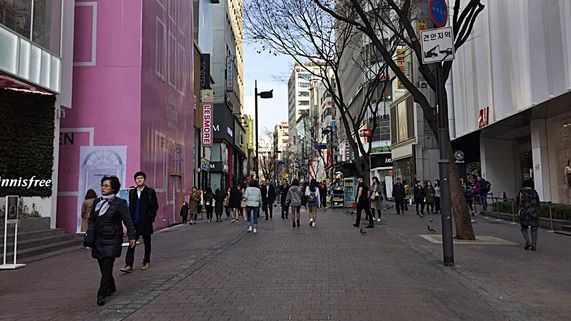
(105, 233)
(235, 202)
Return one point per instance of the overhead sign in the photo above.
(320, 146)
(205, 71)
(438, 12)
(207, 125)
(437, 45)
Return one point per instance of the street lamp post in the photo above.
(263, 95)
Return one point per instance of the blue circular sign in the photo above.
(438, 12)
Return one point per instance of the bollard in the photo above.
(550, 217)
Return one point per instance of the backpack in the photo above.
(312, 198)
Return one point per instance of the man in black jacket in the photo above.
(285, 207)
(268, 198)
(143, 206)
(419, 197)
(398, 196)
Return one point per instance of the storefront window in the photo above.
(47, 24)
(16, 15)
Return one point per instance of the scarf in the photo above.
(103, 205)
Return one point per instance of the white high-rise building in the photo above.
(281, 139)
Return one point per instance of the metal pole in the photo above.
(443, 165)
(550, 217)
(256, 115)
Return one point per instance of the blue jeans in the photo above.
(249, 215)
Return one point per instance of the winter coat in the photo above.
(184, 210)
(293, 197)
(235, 198)
(108, 228)
(268, 198)
(285, 189)
(253, 197)
(193, 202)
(147, 212)
(528, 205)
(419, 193)
(85, 211)
(376, 198)
(208, 197)
(399, 192)
(430, 193)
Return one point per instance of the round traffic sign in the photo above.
(438, 12)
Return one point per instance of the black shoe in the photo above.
(293, 224)
(533, 248)
(100, 301)
(527, 246)
(370, 226)
(298, 225)
(355, 225)
(266, 218)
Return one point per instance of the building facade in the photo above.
(514, 96)
(36, 72)
(133, 104)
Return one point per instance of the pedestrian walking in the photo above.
(485, 187)
(200, 202)
(90, 197)
(430, 197)
(143, 206)
(194, 205)
(407, 195)
(293, 199)
(226, 203)
(253, 200)
(528, 210)
(283, 203)
(235, 202)
(105, 233)
(313, 201)
(184, 212)
(208, 198)
(419, 198)
(219, 197)
(376, 198)
(399, 194)
(469, 196)
(437, 196)
(323, 193)
(243, 205)
(268, 198)
(363, 202)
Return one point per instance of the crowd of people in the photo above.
(104, 216)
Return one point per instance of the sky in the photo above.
(272, 73)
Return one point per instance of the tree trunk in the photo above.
(364, 168)
(462, 221)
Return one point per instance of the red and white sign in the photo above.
(484, 117)
(207, 125)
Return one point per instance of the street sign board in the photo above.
(437, 45)
(320, 146)
(438, 12)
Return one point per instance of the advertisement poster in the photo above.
(95, 163)
(12, 208)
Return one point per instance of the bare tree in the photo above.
(319, 44)
(368, 16)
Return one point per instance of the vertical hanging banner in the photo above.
(207, 124)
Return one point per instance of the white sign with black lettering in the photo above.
(437, 45)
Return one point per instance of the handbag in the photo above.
(355, 205)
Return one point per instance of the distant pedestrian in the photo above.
(293, 199)
(363, 203)
(399, 194)
(184, 212)
(313, 201)
(90, 197)
(283, 203)
(219, 197)
(200, 202)
(143, 206)
(105, 233)
(469, 196)
(208, 197)
(376, 198)
(234, 203)
(323, 193)
(243, 204)
(253, 199)
(194, 205)
(437, 196)
(430, 197)
(419, 198)
(268, 198)
(485, 187)
(407, 195)
(528, 210)
(226, 203)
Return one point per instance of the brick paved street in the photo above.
(331, 272)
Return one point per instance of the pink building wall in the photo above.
(122, 97)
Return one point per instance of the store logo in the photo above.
(207, 125)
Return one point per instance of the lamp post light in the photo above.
(263, 95)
